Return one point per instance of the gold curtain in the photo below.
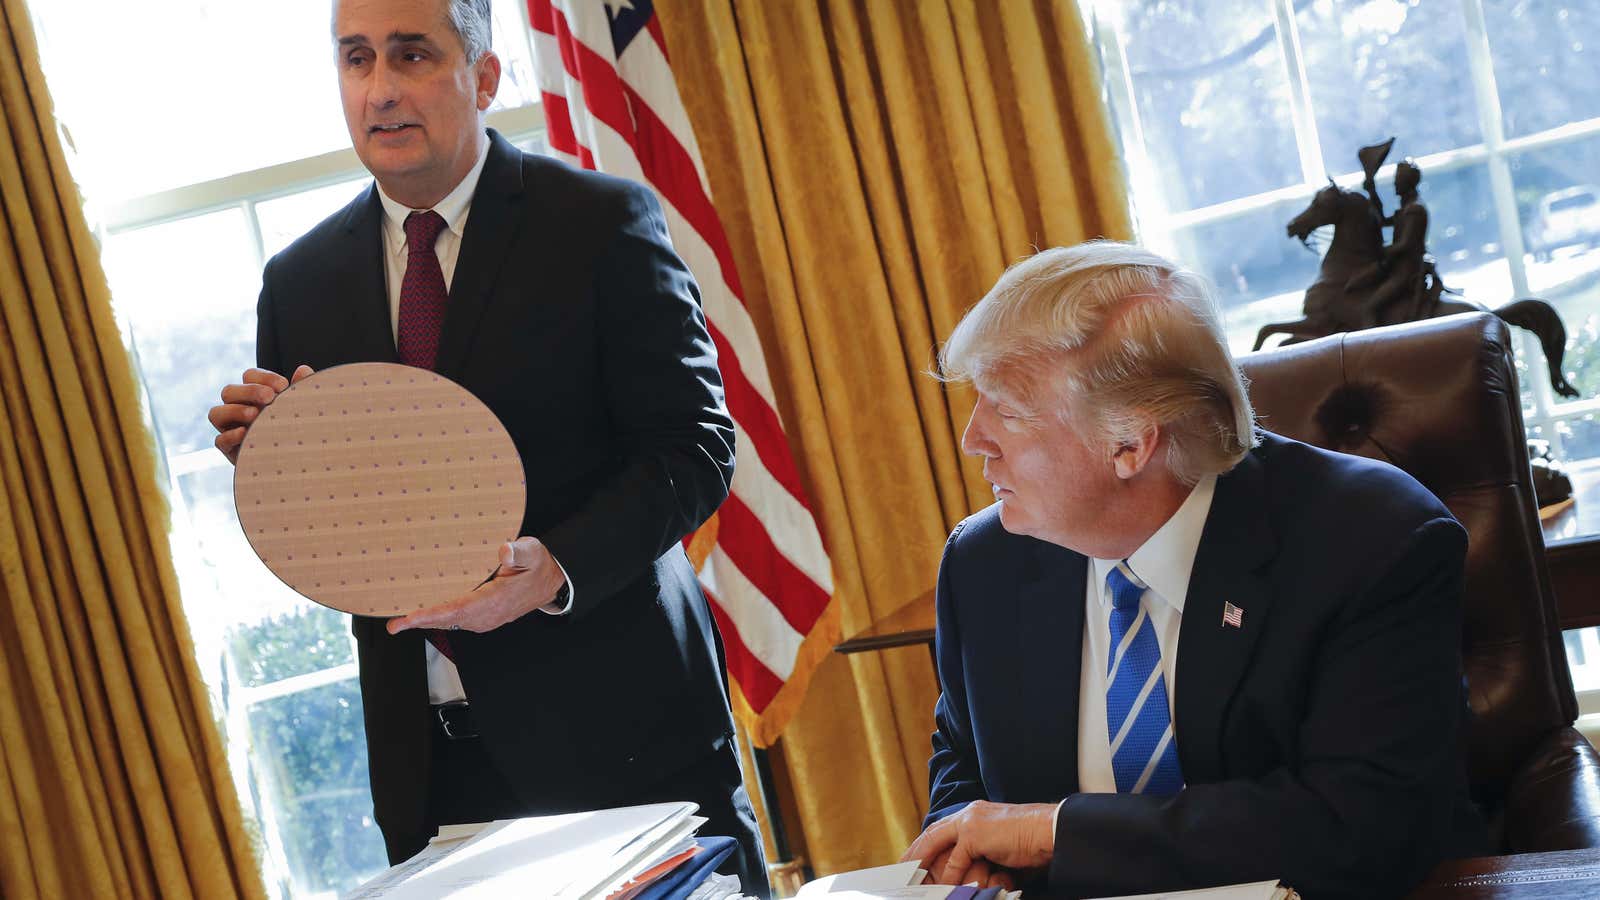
(112, 776)
(877, 165)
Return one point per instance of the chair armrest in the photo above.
(1553, 801)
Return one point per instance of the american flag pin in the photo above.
(1232, 615)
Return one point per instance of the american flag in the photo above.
(1232, 615)
(610, 103)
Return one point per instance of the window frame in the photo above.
(1495, 152)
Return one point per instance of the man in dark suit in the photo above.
(588, 673)
(1179, 652)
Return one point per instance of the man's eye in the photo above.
(413, 56)
(354, 59)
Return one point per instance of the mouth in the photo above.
(390, 128)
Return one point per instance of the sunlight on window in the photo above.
(173, 92)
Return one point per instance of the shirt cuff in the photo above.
(550, 609)
(1055, 818)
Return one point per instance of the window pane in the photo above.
(187, 290)
(1463, 234)
(1259, 272)
(535, 144)
(1387, 68)
(287, 218)
(309, 749)
(1212, 93)
(171, 119)
(1583, 655)
(1558, 203)
(1545, 61)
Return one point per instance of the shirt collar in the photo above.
(1164, 562)
(453, 208)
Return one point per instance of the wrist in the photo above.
(1043, 844)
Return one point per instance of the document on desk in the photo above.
(1259, 890)
(572, 857)
(901, 881)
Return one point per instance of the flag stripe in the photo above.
(665, 163)
(740, 537)
(789, 524)
(558, 124)
(755, 680)
(722, 307)
(768, 637)
(647, 77)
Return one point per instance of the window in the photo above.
(1232, 113)
(201, 155)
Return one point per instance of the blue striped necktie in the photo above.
(1144, 750)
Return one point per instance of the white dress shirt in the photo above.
(444, 682)
(1163, 563)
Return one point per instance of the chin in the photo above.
(1011, 520)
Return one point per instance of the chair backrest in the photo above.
(1439, 400)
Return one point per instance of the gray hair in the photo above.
(469, 19)
(1132, 337)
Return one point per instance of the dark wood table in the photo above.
(1557, 876)
(909, 625)
(1572, 548)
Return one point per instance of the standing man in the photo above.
(589, 674)
(1179, 652)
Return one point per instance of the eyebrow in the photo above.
(395, 37)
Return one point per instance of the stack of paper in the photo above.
(610, 854)
(901, 881)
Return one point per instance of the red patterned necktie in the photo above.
(423, 298)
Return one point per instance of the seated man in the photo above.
(1179, 651)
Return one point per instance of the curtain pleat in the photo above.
(113, 780)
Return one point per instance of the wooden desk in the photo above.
(910, 624)
(1572, 549)
(1551, 876)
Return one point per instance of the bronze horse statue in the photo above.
(1348, 295)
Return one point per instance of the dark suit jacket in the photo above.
(571, 317)
(1320, 742)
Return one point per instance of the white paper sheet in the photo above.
(543, 856)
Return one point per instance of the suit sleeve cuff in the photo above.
(552, 609)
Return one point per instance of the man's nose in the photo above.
(383, 91)
(975, 439)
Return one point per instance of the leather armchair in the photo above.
(1439, 399)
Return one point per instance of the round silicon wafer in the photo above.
(378, 489)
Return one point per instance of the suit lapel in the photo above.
(1228, 568)
(372, 330)
(491, 227)
(1050, 620)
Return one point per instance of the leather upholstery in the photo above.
(1439, 400)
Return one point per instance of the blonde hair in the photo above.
(1132, 337)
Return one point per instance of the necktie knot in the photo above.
(422, 229)
(1125, 593)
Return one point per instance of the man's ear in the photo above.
(1133, 455)
(487, 73)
